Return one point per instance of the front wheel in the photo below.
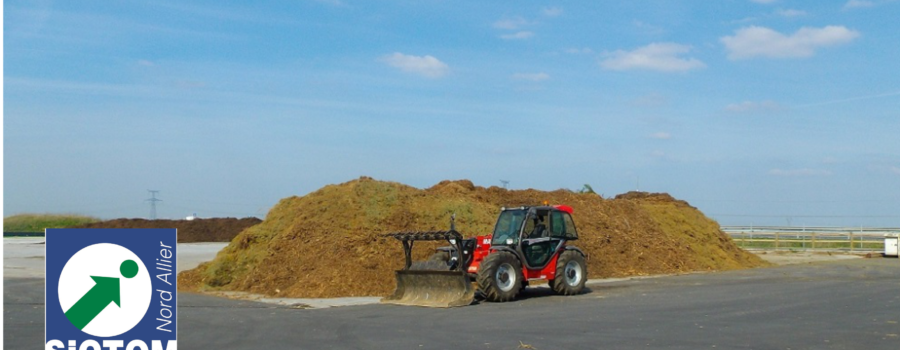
(500, 276)
(571, 273)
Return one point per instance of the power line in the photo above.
(153, 201)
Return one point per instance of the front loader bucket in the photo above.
(432, 288)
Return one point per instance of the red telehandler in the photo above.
(528, 243)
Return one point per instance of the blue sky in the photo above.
(755, 111)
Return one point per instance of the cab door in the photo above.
(538, 243)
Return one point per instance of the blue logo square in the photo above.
(111, 286)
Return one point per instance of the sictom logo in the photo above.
(101, 292)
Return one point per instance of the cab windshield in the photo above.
(506, 231)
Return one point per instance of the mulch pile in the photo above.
(197, 230)
(329, 244)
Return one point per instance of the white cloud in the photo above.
(552, 11)
(647, 28)
(511, 23)
(658, 154)
(748, 107)
(851, 99)
(756, 41)
(790, 13)
(852, 4)
(651, 100)
(744, 20)
(799, 172)
(189, 84)
(531, 76)
(517, 36)
(575, 50)
(662, 135)
(426, 66)
(332, 2)
(656, 56)
(146, 63)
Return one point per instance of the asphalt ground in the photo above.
(844, 304)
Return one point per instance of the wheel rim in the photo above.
(505, 277)
(573, 273)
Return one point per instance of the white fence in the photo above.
(819, 238)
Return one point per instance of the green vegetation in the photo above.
(39, 222)
(586, 189)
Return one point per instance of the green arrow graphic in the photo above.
(91, 304)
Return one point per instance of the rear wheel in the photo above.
(571, 273)
(500, 276)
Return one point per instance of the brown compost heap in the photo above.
(329, 244)
(197, 230)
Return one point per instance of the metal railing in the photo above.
(804, 238)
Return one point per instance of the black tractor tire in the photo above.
(571, 273)
(500, 277)
(439, 261)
